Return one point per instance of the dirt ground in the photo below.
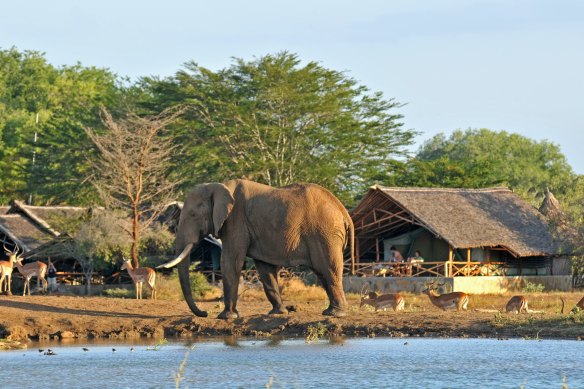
(62, 317)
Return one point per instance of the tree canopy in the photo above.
(276, 120)
(478, 158)
(43, 110)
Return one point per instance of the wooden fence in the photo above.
(427, 269)
(367, 269)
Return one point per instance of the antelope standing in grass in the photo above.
(140, 275)
(6, 268)
(383, 301)
(458, 300)
(34, 269)
(579, 305)
(517, 304)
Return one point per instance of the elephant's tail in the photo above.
(352, 243)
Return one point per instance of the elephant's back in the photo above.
(295, 217)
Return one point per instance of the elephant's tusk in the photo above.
(178, 259)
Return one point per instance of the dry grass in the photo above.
(293, 289)
(297, 290)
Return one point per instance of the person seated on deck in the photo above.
(416, 258)
(387, 268)
(395, 255)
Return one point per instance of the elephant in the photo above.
(299, 224)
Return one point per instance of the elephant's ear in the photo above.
(222, 200)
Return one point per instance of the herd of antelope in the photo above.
(39, 270)
(453, 300)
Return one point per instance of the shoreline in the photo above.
(63, 318)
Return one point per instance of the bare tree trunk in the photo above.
(135, 237)
(88, 282)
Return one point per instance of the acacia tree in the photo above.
(278, 121)
(131, 170)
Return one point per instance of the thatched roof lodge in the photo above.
(482, 226)
(30, 227)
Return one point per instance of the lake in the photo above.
(281, 363)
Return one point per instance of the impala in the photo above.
(517, 304)
(458, 300)
(6, 268)
(140, 275)
(383, 301)
(34, 269)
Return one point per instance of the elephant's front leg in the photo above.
(231, 265)
(269, 277)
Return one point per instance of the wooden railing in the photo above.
(426, 269)
(251, 276)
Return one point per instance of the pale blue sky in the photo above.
(505, 65)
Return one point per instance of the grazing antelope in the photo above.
(517, 304)
(458, 300)
(383, 301)
(34, 269)
(140, 275)
(6, 268)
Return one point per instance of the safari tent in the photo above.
(459, 232)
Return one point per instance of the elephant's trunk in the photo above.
(185, 284)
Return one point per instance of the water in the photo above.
(352, 363)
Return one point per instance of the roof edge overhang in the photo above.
(20, 206)
(14, 238)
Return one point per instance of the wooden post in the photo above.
(448, 269)
(377, 248)
(468, 255)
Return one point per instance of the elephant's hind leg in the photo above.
(269, 277)
(330, 274)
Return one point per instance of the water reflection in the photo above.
(231, 341)
(250, 362)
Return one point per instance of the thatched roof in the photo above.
(47, 216)
(33, 226)
(24, 231)
(465, 218)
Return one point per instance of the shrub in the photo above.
(168, 287)
(314, 333)
(532, 287)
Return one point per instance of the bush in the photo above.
(532, 287)
(168, 287)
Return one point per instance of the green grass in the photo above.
(119, 293)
